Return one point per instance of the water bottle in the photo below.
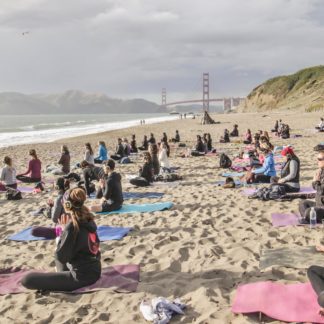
(312, 218)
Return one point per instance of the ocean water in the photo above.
(15, 130)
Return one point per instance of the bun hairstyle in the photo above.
(65, 149)
(73, 202)
(110, 164)
(33, 154)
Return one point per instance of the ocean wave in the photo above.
(51, 135)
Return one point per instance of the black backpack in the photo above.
(224, 161)
(13, 194)
(270, 193)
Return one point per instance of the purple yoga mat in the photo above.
(24, 189)
(279, 220)
(303, 190)
(119, 277)
(289, 303)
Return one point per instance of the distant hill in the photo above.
(71, 102)
(302, 90)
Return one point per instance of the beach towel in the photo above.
(233, 174)
(121, 278)
(290, 303)
(297, 257)
(140, 208)
(105, 233)
(137, 195)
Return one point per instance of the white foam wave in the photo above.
(50, 135)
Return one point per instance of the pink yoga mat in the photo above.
(290, 303)
(118, 277)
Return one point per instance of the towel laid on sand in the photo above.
(137, 195)
(121, 278)
(105, 233)
(297, 257)
(289, 303)
(233, 174)
(141, 208)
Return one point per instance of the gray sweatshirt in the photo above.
(8, 175)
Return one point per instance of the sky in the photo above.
(134, 48)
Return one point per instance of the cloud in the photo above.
(135, 47)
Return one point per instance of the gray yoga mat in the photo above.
(294, 257)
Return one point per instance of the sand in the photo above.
(200, 250)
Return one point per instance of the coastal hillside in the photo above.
(71, 102)
(303, 90)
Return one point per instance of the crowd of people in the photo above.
(77, 255)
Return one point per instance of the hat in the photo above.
(287, 150)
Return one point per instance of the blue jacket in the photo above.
(103, 154)
(268, 167)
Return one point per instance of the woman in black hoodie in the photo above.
(77, 255)
(110, 190)
(146, 175)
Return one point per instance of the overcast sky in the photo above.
(133, 48)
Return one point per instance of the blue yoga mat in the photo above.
(141, 208)
(105, 233)
(137, 195)
(233, 174)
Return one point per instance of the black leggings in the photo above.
(26, 179)
(316, 277)
(305, 208)
(106, 207)
(261, 178)
(139, 182)
(62, 280)
(98, 161)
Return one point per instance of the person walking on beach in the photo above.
(34, 169)
(77, 255)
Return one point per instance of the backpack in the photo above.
(224, 161)
(270, 193)
(13, 194)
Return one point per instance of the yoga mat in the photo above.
(297, 257)
(137, 195)
(233, 174)
(140, 208)
(105, 233)
(280, 220)
(24, 189)
(303, 190)
(291, 303)
(119, 277)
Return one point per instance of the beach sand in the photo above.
(200, 250)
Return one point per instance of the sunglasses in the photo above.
(320, 159)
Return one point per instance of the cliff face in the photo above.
(302, 90)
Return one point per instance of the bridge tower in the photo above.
(163, 97)
(206, 92)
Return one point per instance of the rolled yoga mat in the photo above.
(105, 233)
(140, 208)
(297, 257)
(295, 303)
(122, 278)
